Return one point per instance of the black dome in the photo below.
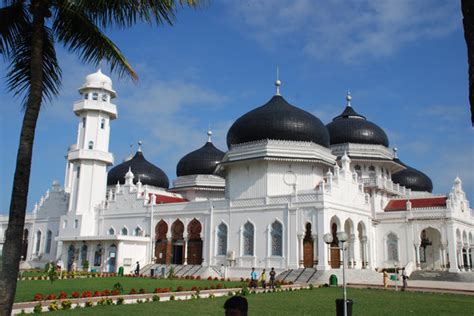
(142, 169)
(351, 127)
(412, 179)
(278, 120)
(201, 161)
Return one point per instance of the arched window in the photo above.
(277, 239)
(248, 238)
(91, 144)
(83, 122)
(98, 255)
(111, 231)
(138, 231)
(38, 242)
(49, 236)
(83, 254)
(104, 97)
(358, 170)
(86, 96)
(102, 123)
(392, 247)
(95, 96)
(125, 231)
(222, 239)
(372, 172)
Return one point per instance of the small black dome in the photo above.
(278, 120)
(412, 179)
(351, 127)
(142, 169)
(201, 161)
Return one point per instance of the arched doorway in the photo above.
(161, 242)
(308, 247)
(70, 257)
(177, 230)
(335, 251)
(194, 254)
(430, 250)
(112, 259)
(24, 245)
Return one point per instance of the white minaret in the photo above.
(86, 170)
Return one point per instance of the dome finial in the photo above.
(140, 146)
(209, 135)
(277, 82)
(348, 98)
(395, 155)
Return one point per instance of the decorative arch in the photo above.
(334, 246)
(177, 239)
(124, 230)
(194, 251)
(84, 250)
(111, 231)
(98, 256)
(38, 237)
(222, 235)
(49, 237)
(162, 251)
(392, 247)
(138, 231)
(70, 257)
(248, 239)
(276, 233)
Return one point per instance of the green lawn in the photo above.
(27, 289)
(305, 302)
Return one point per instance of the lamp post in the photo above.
(342, 237)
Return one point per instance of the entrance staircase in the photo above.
(180, 270)
(442, 276)
(311, 275)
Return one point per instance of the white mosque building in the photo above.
(285, 181)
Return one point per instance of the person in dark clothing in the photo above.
(272, 278)
(137, 269)
(404, 278)
(236, 306)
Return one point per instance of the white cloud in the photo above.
(346, 30)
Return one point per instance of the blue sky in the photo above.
(403, 61)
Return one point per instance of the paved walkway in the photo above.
(426, 286)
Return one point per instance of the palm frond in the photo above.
(13, 20)
(80, 35)
(18, 77)
(125, 13)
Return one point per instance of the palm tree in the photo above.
(29, 31)
(468, 22)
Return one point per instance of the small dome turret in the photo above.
(351, 127)
(98, 80)
(200, 161)
(412, 178)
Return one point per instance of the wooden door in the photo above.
(308, 255)
(335, 258)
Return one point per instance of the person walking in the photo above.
(253, 278)
(137, 269)
(385, 279)
(272, 278)
(405, 279)
(263, 279)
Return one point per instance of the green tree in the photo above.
(29, 31)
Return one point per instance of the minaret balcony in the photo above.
(89, 154)
(95, 105)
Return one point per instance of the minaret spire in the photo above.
(140, 146)
(348, 99)
(209, 134)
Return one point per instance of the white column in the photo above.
(315, 250)
(351, 248)
(468, 263)
(300, 251)
(186, 239)
(357, 257)
(417, 252)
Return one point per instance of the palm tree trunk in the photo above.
(21, 180)
(468, 22)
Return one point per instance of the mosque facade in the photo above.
(285, 194)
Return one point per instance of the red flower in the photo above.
(86, 294)
(105, 293)
(133, 291)
(38, 297)
(157, 290)
(179, 289)
(194, 288)
(51, 297)
(96, 293)
(115, 292)
(75, 294)
(62, 295)
(165, 290)
(219, 286)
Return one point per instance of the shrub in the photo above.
(66, 304)
(211, 296)
(179, 289)
(38, 309)
(213, 287)
(141, 291)
(156, 298)
(209, 278)
(105, 292)
(222, 279)
(75, 294)
(172, 298)
(119, 301)
(85, 265)
(51, 297)
(115, 292)
(157, 290)
(244, 291)
(171, 273)
(133, 291)
(88, 303)
(96, 293)
(198, 277)
(118, 287)
(38, 297)
(53, 306)
(192, 277)
(86, 294)
(194, 288)
(216, 279)
(310, 286)
(219, 286)
(206, 288)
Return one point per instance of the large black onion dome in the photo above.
(278, 120)
(142, 169)
(351, 127)
(201, 161)
(412, 178)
